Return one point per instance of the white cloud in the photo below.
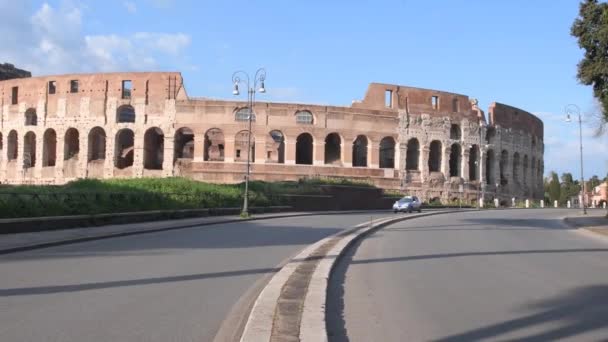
(51, 40)
(130, 6)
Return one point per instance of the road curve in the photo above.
(168, 286)
(477, 276)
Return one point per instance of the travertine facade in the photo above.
(58, 128)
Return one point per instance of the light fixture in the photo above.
(236, 89)
(568, 117)
(262, 89)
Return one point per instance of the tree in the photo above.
(554, 188)
(591, 30)
(593, 182)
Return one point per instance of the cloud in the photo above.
(50, 40)
(130, 6)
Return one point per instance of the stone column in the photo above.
(108, 166)
(83, 155)
(60, 155)
(347, 152)
(445, 161)
(260, 148)
(373, 154)
(199, 147)
(464, 164)
(397, 157)
(318, 153)
(138, 152)
(228, 149)
(290, 151)
(39, 156)
(3, 153)
(423, 163)
(168, 155)
(482, 166)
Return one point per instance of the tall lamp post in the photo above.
(571, 110)
(260, 77)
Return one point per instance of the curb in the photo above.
(60, 242)
(268, 311)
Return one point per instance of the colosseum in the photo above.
(435, 144)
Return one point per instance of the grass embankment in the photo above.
(124, 195)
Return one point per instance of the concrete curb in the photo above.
(102, 235)
(262, 318)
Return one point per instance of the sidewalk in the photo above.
(595, 221)
(10, 243)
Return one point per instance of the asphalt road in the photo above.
(171, 286)
(479, 276)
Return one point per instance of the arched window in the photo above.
(123, 148)
(71, 146)
(525, 175)
(184, 144)
(333, 149)
(435, 156)
(29, 150)
(387, 153)
(474, 163)
(504, 161)
(275, 147)
(304, 149)
(31, 119)
(360, 151)
(490, 167)
(214, 145)
(125, 113)
(97, 144)
(49, 148)
(304, 117)
(516, 167)
(413, 154)
(154, 149)
(242, 114)
(12, 146)
(455, 132)
(455, 160)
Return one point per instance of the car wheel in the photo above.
(395, 211)
(409, 210)
(419, 210)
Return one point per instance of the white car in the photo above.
(407, 204)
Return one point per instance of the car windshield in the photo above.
(405, 200)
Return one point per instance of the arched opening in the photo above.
(240, 147)
(490, 158)
(154, 149)
(360, 151)
(49, 148)
(29, 150)
(242, 114)
(214, 145)
(504, 160)
(275, 147)
(533, 172)
(474, 163)
(525, 175)
(124, 148)
(455, 132)
(183, 144)
(304, 149)
(12, 147)
(31, 119)
(413, 154)
(97, 144)
(539, 170)
(71, 146)
(333, 149)
(387, 153)
(125, 113)
(516, 168)
(304, 117)
(490, 135)
(455, 160)
(435, 156)
(1, 146)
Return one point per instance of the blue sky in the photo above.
(516, 52)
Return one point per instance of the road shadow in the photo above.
(577, 311)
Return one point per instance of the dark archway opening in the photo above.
(435, 156)
(333, 149)
(304, 149)
(387, 153)
(154, 149)
(360, 151)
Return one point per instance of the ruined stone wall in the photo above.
(8, 71)
(430, 143)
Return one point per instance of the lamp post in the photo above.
(260, 76)
(573, 109)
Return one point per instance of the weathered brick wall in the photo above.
(8, 71)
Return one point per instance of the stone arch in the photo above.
(124, 148)
(333, 149)
(71, 146)
(241, 140)
(490, 157)
(214, 145)
(31, 119)
(12, 148)
(504, 160)
(29, 150)
(525, 167)
(435, 156)
(490, 135)
(304, 143)
(516, 167)
(533, 172)
(387, 153)
(360, 151)
(183, 144)
(413, 154)
(49, 148)
(455, 160)
(474, 163)
(539, 169)
(97, 144)
(275, 147)
(304, 117)
(455, 132)
(242, 114)
(125, 114)
(154, 149)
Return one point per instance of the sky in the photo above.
(517, 52)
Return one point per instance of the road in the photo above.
(170, 286)
(477, 276)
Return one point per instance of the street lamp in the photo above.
(573, 109)
(260, 76)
